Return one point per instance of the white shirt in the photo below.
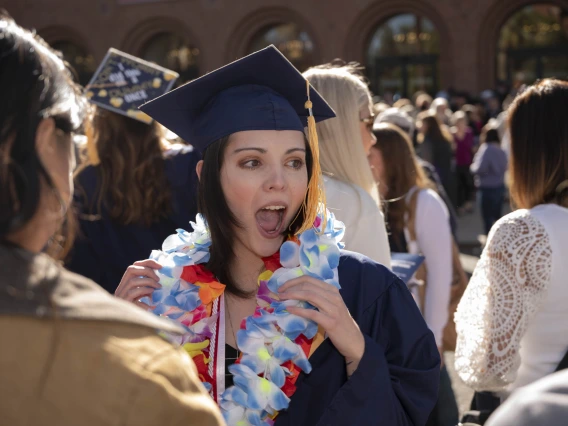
(434, 242)
(512, 321)
(365, 230)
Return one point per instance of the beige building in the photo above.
(406, 45)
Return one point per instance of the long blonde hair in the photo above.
(341, 148)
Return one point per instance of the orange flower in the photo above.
(210, 291)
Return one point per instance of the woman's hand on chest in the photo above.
(332, 315)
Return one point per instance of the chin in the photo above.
(266, 248)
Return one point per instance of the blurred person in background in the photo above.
(512, 321)
(133, 189)
(475, 121)
(402, 103)
(441, 110)
(418, 223)
(379, 108)
(405, 122)
(423, 101)
(541, 403)
(351, 191)
(436, 147)
(463, 142)
(494, 106)
(489, 167)
(71, 354)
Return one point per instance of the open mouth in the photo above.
(270, 220)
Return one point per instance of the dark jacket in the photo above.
(396, 382)
(104, 249)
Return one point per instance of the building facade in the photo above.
(405, 45)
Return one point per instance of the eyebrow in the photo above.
(263, 151)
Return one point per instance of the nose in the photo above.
(276, 180)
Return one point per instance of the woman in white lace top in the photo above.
(512, 321)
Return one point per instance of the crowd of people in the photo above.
(281, 305)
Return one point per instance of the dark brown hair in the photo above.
(220, 220)
(490, 135)
(128, 155)
(35, 84)
(404, 173)
(434, 130)
(539, 145)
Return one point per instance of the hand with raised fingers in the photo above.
(332, 315)
(138, 281)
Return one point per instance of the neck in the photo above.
(32, 237)
(245, 269)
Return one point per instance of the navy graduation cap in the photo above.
(124, 82)
(262, 91)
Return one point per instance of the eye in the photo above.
(296, 164)
(250, 164)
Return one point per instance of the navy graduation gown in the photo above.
(396, 382)
(104, 249)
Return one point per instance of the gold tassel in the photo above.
(316, 193)
(92, 153)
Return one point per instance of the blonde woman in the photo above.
(346, 141)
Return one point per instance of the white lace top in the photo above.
(512, 321)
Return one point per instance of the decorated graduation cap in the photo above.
(262, 91)
(124, 82)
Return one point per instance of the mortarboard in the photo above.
(262, 91)
(123, 82)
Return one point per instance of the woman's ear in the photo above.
(45, 138)
(198, 168)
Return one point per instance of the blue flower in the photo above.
(262, 394)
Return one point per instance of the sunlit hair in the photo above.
(36, 84)
(129, 160)
(402, 172)
(341, 147)
(458, 116)
(539, 145)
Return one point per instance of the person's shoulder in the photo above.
(77, 297)
(335, 186)
(542, 402)
(343, 196)
(521, 223)
(550, 215)
(350, 192)
(143, 365)
(167, 377)
(429, 199)
(364, 279)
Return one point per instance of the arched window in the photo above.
(294, 42)
(533, 44)
(80, 60)
(402, 57)
(175, 53)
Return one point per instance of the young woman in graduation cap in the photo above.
(284, 327)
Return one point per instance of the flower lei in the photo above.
(274, 343)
